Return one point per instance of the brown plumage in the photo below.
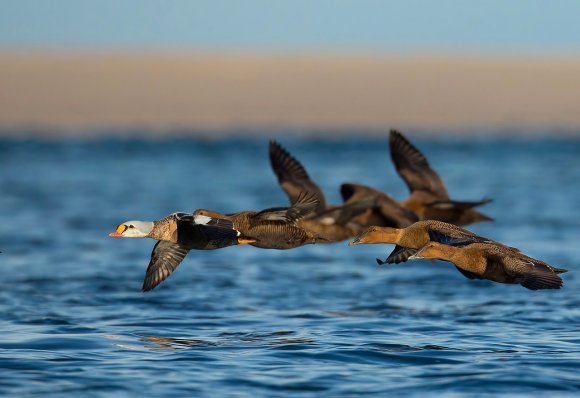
(177, 234)
(412, 238)
(428, 196)
(292, 176)
(384, 212)
(334, 223)
(274, 228)
(496, 263)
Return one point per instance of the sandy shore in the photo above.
(72, 92)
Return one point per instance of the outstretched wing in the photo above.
(165, 258)
(304, 206)
(398, 255)
(292, 176)
(533, 275)
(414, 168)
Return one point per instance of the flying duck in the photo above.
(363, 206)
(496, 263)
(429, 198)
(273, 228)
(412, 238)
(334, 223)
(385, 212)
(177, 234)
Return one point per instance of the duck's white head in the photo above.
(133, 229)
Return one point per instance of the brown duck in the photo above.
(496, 263)
(273, 228)
(334, 223)
(385, 211)
(429, 198)
(412, 238)
(177, 234)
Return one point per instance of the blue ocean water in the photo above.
(320, 320)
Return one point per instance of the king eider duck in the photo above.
(495, 263)
(177, 234)
(428, 196)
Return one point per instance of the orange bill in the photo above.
(119, 231)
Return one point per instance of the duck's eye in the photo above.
(131, 226)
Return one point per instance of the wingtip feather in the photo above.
(542, 278)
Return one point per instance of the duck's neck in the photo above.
(391, 235)
(464, 258)
(454, 254)
(163, 229)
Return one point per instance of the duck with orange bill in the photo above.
(176, 235)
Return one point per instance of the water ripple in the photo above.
(315, 321)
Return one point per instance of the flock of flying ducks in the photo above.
(425, 225)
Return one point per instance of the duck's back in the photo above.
(332, 232)
(271, 234)
(193, 236)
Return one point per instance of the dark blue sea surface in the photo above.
(315, 321)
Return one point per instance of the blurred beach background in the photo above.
(122, 110)
(220, 67)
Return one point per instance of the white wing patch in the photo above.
(328, 221)
(199, 219)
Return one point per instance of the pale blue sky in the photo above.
(493, 26)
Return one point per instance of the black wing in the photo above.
(214, 227)
(165, 258)
(457, 241)
(398, 255)
(203, 232)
